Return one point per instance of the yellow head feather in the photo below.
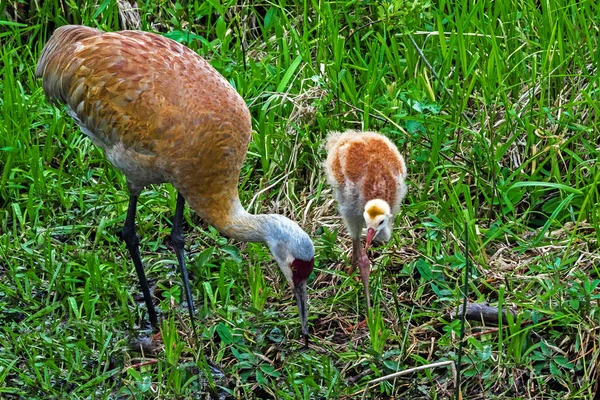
(376, 207)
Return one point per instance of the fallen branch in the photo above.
(482, 312)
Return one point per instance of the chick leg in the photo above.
(355, 255)
(361, 260)
(364, 267)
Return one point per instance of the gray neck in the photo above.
(281, 234)
(247, 227)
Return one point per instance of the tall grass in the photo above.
(495, 107)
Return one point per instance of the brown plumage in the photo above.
(163, 114)
(368, 176)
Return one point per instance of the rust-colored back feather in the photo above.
(55, 57)
(369, 163)
(160, 111)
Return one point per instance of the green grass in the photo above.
(495, 107)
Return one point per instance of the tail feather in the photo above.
(57, 56)
(333, 137)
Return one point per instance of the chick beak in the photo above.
(300, 292)
(370, 235)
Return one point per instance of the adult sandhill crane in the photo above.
(163, 114)
(368, 176)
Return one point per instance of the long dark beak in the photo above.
(370, 235)
(300, 292)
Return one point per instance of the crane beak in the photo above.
(370, 235)
(300, 292)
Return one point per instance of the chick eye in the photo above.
(381, 223)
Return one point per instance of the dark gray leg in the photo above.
(132, 241)
(178, 243)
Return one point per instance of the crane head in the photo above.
(378, 217)
(300, 272)
(295, 254)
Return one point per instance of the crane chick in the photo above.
(367, 173)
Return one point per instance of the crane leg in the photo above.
(178, 243)
(132, 241)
